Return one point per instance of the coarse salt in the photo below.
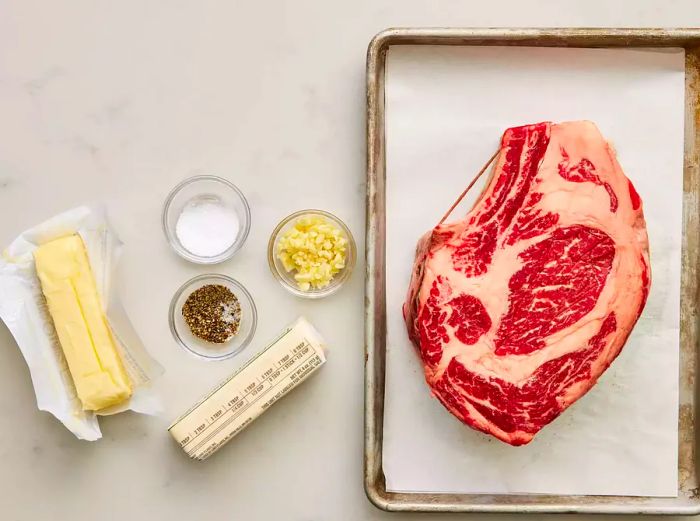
(207, 227)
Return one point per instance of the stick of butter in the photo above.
(250, 391)
(86, 340)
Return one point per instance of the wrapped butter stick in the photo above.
(250, 391)
(60, 364)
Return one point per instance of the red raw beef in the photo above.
(520, 306)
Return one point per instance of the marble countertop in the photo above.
(116, 102)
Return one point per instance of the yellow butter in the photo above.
(71, 294)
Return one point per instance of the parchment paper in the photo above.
(446, 109)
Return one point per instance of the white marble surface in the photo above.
(116, 102)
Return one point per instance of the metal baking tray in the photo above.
(688, 500)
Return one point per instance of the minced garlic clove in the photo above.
(315, 248)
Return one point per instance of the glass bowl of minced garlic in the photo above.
(311, 253)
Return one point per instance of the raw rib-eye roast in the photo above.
(520, 306)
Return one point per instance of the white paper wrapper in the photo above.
(446, 110)
(24, 311)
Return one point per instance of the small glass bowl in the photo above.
(205, 188)
(286, 279)
(207, 350)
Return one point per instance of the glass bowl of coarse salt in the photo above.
(206, 219)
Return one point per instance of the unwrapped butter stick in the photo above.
(250, 391)
(71, 295)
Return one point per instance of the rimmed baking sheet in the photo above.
(634, 80)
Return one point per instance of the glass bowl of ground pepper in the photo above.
(213, 317)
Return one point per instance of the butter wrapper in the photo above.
(24, 311)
